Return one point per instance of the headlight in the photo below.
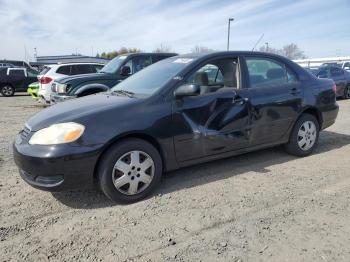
(60, 88)
(57, 134)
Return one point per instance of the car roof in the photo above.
(154, 54)
(235, 53)
(80, 63)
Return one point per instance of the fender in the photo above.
(87, 87)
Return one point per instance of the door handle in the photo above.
(240, 100)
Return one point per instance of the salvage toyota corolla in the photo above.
(180, 111)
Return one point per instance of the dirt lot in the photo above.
(262, 206)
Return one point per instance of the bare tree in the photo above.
(200, 49)
(291, 51)
(121, 51)
(163, 48)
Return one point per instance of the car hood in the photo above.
(87, 77)
(75, 109)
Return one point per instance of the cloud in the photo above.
(62, 26)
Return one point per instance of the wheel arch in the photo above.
(313, 111)
(148, 138)
(89, 87)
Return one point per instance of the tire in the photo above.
(122, 178)
(7, 90)
(296, 145)
(346, 92)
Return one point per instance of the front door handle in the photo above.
(240, 100)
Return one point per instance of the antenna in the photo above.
(261, 37)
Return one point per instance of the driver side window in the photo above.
(216, 76)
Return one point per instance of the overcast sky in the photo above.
(58, 27)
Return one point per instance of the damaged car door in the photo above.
(213, 117)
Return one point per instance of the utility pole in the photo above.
(228, 33)
(267, 46)
(35, 55)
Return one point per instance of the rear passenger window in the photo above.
(17, 73)
(81, 69)
(264, 72)
(64, 70)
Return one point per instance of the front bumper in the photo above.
(44, 95)
(58, 98)
(56, 167)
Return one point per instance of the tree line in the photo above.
(291, 51)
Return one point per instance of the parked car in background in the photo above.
(16, 80)
(344, 65)
(180, 111)
(33, 89)
(18, 63)
(6, 65)
(52, 72)
(111, 74)
(340, 76)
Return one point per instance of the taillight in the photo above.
(45, 80)
(334, 88)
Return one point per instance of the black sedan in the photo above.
(181, 111)
(340, 76)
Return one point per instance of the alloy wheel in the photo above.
(133, 172)
(7, 90)
(307, 135)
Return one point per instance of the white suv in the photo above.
(52, 72)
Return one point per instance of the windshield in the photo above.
(153, 77)
(113, 65)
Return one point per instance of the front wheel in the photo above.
(130, 170)
(7, 90)
(304, 136)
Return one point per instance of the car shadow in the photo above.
(258, 161)
(16, 95)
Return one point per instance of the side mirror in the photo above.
(187, 90)
(125, 71)
(347, 68)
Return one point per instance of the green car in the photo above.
(33, 89)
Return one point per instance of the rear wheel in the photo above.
(7, 90)
(304, 136)
(130, 170)
(346, 92)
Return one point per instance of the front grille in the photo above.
(25, 132)
(53, 87)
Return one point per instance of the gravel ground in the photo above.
(262, 206)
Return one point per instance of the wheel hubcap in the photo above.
(307, 135)
(7, 90)
(133, 172)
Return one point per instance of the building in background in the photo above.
(49, 60)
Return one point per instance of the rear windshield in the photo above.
(45, 70)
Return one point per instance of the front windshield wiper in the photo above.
(124, 92)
